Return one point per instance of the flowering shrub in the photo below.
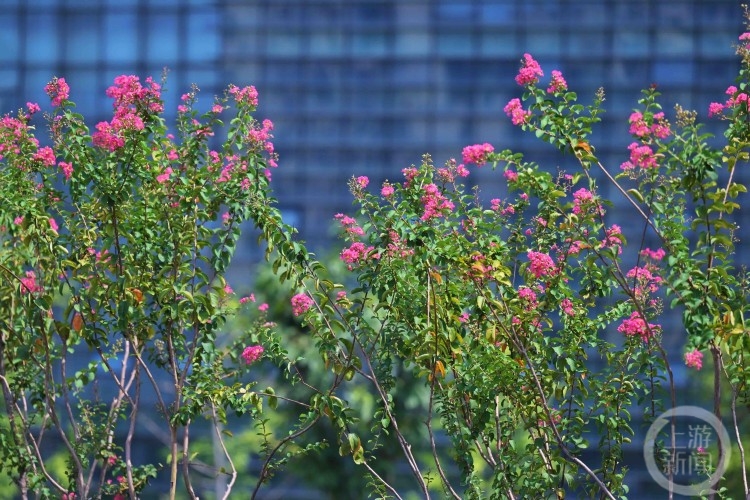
(113, 243)
(530, 321)
(488, 296)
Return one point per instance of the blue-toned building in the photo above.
(366, 87)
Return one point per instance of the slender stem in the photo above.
(432, 442)
(743, 467)
(264, 469)
(186, 461)
(716, 354)
(173, 465)
(217, 428)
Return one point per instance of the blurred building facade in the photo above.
(366, 87)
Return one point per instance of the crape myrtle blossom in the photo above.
(33, 108)
(639, 126)
(409, 173)
(397, 247)
(735, 99)
(252, 353)
(132, 103)
(636, 325)
(582, 199)
(694, 359)
(530, 71)
(434, 202)
(356, 254)
(58, 90)
(567, 306)
(541, 264)
(514, 110)
(66, 168)
(640, 156)
(557, 83)
(644, 280)
(510, 175)
(528, 296)
(653, 254)
(301, 303)
(477, 153)
(45, 155)
(350, 225)
(613, 237)
(260, 135)
(29, 284)
(246, 95)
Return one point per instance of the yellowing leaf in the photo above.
(77, 322)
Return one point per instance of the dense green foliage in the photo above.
(528, 323)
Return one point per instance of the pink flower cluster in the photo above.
(355, 254)
(434, 202)
(558, 83)
(67, 169)
(477, 153)
(45, 155)
(510, 175)
(350, 225)
(528, 295)
(252, 353)
(582, 199)
(613, 236)
(164, 176)
(233, 165)
(127, 92)
(636, 325)
(260, 136)
(131, 100)
(645, 280)
(362, 181)
(58, 90)
(640, 127)
(694, 359)
(246, 95)
(410, 173)
(514, 110)
(301, 303)
(29, 284)
(387, 190)
(567, 306)
(640, 156)
(653, 254)
(735, 99)
(396, 246)
(541, 264)
(574, 247)
(12, 133)
(530, 71)
(248, 298)
(33, 108)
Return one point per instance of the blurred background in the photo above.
(366, 87)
